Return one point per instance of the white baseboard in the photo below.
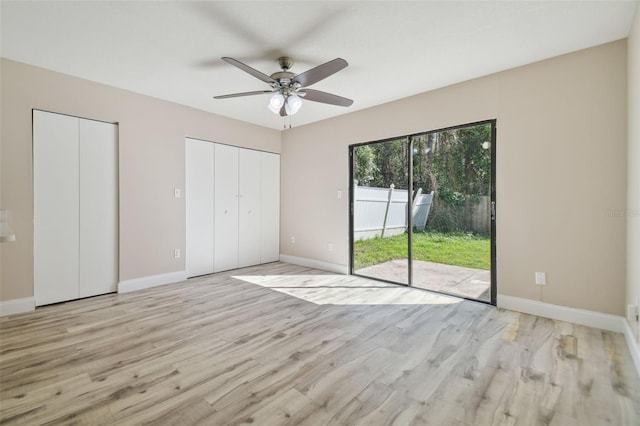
(316, 264)
(151, 281)
(634, 347)
(562, 313)
(17, 306)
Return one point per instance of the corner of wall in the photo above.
(633, 174)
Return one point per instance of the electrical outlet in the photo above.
(541, 278)
(329, 246)
(176, 253)
(632, 313)
(293, 240)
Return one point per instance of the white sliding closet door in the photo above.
(56, 208)
(270, 203)
(75, 191)
(249, 207)
(98, 208)
(226, 208)
(199, 157)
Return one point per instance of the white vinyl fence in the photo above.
(383, 211)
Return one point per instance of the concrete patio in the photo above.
(456, 280)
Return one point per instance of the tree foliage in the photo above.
(365, 169)
(452, 163)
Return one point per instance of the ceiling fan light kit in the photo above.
(293, 104)
(288, 89)
(276, 102)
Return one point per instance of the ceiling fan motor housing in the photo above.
(285, 63)
(284, 77)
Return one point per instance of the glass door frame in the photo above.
(409, 140)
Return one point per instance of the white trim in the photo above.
(151, 281)
(562, 313)
(634, 347)
(17, 306)
(316, 264)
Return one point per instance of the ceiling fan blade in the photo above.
(246, 68)
(237, 95)
(325, 98)
(320, 72)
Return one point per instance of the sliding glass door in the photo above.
(380, 183)
(423, 210)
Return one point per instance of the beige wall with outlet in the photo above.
(633, 191)
(151, 141)
(561, 173)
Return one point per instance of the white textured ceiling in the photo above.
(172, 50)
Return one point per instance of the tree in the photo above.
(365, 169)
(460, 163)
(382, 164)
(452, 163)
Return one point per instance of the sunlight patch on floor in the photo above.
(346, 290)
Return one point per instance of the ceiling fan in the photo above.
(288, 89)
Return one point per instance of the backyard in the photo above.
(456, 249)
(439, 184)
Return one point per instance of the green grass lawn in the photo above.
(451, 249)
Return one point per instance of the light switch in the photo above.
(176, 192)
(339, 194)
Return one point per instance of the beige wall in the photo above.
(633, 191)
(561, 167)
(151, 137)
(561, 159)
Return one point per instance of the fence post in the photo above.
(353, 205)
(415, 201)
(386, 213)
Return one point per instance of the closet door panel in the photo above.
(98, 208)
(249, 206)
(226, 208)
(199, 157)
(56, 207)
(270, 203)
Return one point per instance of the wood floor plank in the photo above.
(281, 344)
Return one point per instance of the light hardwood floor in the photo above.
(281, 344)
